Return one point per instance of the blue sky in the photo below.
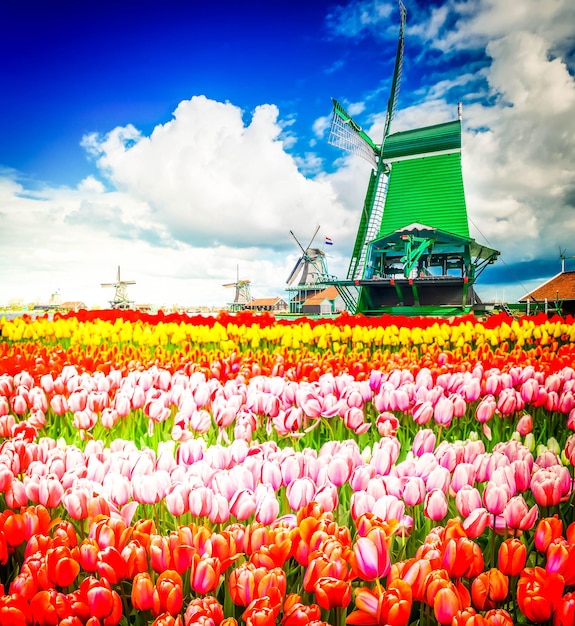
(181, 140)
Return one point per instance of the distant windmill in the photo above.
(120, 300)
(305, 280)
(243, 295)
(311, 265)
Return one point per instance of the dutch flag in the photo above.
(328, 241)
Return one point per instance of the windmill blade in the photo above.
(297, 241)
(311, 240)
(395, 83)
(296, 270)
(344, 133)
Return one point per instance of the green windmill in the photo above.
(412, 253)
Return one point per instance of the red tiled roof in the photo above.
(560, 287)
(327, 294)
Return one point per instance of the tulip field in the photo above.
(245, 470)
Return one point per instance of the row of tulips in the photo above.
(226, 347)
(247, 479)
(179, 406)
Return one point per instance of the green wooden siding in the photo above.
(427, 190)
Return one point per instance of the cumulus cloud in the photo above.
(213, 179)
(201, 195)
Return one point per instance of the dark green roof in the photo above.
(423, 140)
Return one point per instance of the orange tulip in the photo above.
(332, 592)
(168, 593)
(565, 612)
(143, 592)
(298, 614)
(370, 557)
(104, 602)
(548, 529)
(205, 573)
(468, 617)
(539, 593)
(511, 557)
(62, 568)
(498, 617)
(489, 589)
(446, 604)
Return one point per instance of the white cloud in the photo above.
(201, 195)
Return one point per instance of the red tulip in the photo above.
(111, 565)
(539, 593)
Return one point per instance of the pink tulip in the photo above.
(361, 476)
(354, 419)
(85, 419)
(463, 475)
(472, 390)
(16, 495)
(200, 501)
(219, 512)
(467, 500)
(19, 405)
(361, 502)
(243, 504)
(50, 491)
(546, 487)
(529, 390)
(59, 404)
(327, 497)
(486, 409)
(566, 402)
(477, 521)
(388, 508)
(122, 405)
(267, 509)
(414, 491)
(75, 502)
(435, 505)
(424, 441)
(518, 516)
(443, 411)
(300, 493)
(439, 478)
(109, 418)
(78, 400)
(495, 497)
(422, 412)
